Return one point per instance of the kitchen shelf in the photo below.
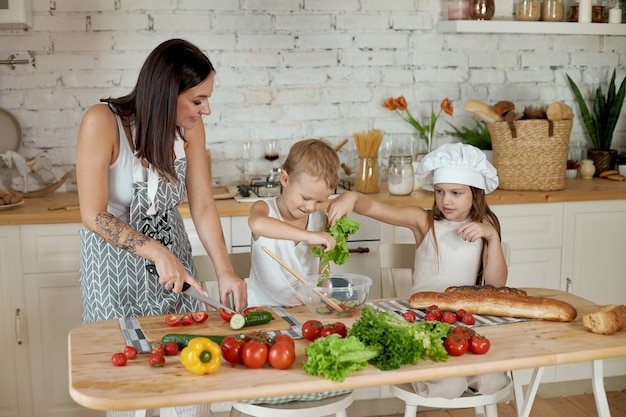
(515, 26)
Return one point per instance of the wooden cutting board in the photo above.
(154, 327)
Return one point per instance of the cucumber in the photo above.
(183, 339)
(253, 318)
(323, 310)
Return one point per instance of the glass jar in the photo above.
(528, 10)
(482, 9)
(458, 9)
(400, 175)
(553, 11)
(367, 178)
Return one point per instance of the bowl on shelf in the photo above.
(348, 291)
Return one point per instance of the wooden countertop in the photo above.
(96, 384)
(36, 210)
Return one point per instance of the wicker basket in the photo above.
(530, 154)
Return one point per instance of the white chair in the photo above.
(328, 406)
(206, 271)
(396, 263)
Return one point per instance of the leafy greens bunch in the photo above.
(340, 254)
(398, 341)
(335, 357)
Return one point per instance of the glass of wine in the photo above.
(243, 160)
(271, 152)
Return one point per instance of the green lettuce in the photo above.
(335, 357)
(340, 253)
(398, 341)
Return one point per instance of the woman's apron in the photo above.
(115, 283)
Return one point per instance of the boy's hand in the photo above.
(341, 206)
(321, 239)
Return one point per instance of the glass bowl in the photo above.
(349, 291)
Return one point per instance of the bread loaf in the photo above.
(495, 302)
(606, 319)
(483, 111)
(502, 107)
(559, 111)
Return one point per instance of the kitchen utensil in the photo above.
(329, 301)
(11, 137)
(350, 291)
(193, 292)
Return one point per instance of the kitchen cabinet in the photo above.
(15, 14)
(15, 395)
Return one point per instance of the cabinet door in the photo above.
(54, 307)
(593, 250)
(15, 14)
(196, 244)
(15, 399)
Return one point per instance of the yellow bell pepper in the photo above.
(201, 356)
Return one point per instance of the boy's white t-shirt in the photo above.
(457, 262)
(269, 283)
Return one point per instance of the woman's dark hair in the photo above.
(171, 68)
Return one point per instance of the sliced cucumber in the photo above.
(323, 310)
(237, 321)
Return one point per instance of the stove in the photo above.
(260, 189)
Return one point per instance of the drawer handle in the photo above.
(18, 327)
(359, 250)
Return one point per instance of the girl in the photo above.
(458, 240)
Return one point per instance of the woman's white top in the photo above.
(457, 262)
(272, 285)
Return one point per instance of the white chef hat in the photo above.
(458, 163)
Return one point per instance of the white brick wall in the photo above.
(287, 69)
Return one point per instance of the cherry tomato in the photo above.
(431, 308)
(171, 349)
(186, 320)
(448, 317)
(327, 330)
(479, 344)
(119, 359)
(157, 347)
(231, 348)
(226, 315)
(200, 316)
(466, 332)
(259, 336)
(285, 338)
(254, 354)
(341, 329)
(281, 355)
(456, 345)
(430, 317)
(410, 316)
(311, 329)
(156, 360)
(172, 320)
(460, 313)
(130, 352)
(468, 319)
(251, 309)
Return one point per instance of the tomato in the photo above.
(468, 319)
(327, 330)
(254, 354)
(430, 317)
(431, 308)
(156, 360)
(479, 344)
(259, 336)
(171, 349)
(157, 347)
(437, 313)
(456, 345)
(285, 338)
(410, 316)
(119, 359)
(341, 329)
(130, 352)
(311, 329)
(186, 320)
(281, 355)
(252, 309)
(448, 317)
(172, 320)
(200, 316)
(466, 332)
(231, 348)
(460, 313)
(226, 315)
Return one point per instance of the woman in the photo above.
(136, 156)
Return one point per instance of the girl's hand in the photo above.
(321, 239)
(470, 232)
(341, 206)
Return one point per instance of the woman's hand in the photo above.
(172, 274)
(230, 283)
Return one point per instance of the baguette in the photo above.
(605, 319)
(483, 111)
(495, 303)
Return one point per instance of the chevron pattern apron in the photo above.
(115, 283)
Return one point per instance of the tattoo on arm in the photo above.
(112, 230)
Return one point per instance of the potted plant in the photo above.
(601, 123)
(477, 136)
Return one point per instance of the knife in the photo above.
(193, 292)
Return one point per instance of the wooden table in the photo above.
(94, 383)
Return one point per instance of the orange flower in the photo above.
(401, 103)
(446, 106)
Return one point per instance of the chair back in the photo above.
(206, 272)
